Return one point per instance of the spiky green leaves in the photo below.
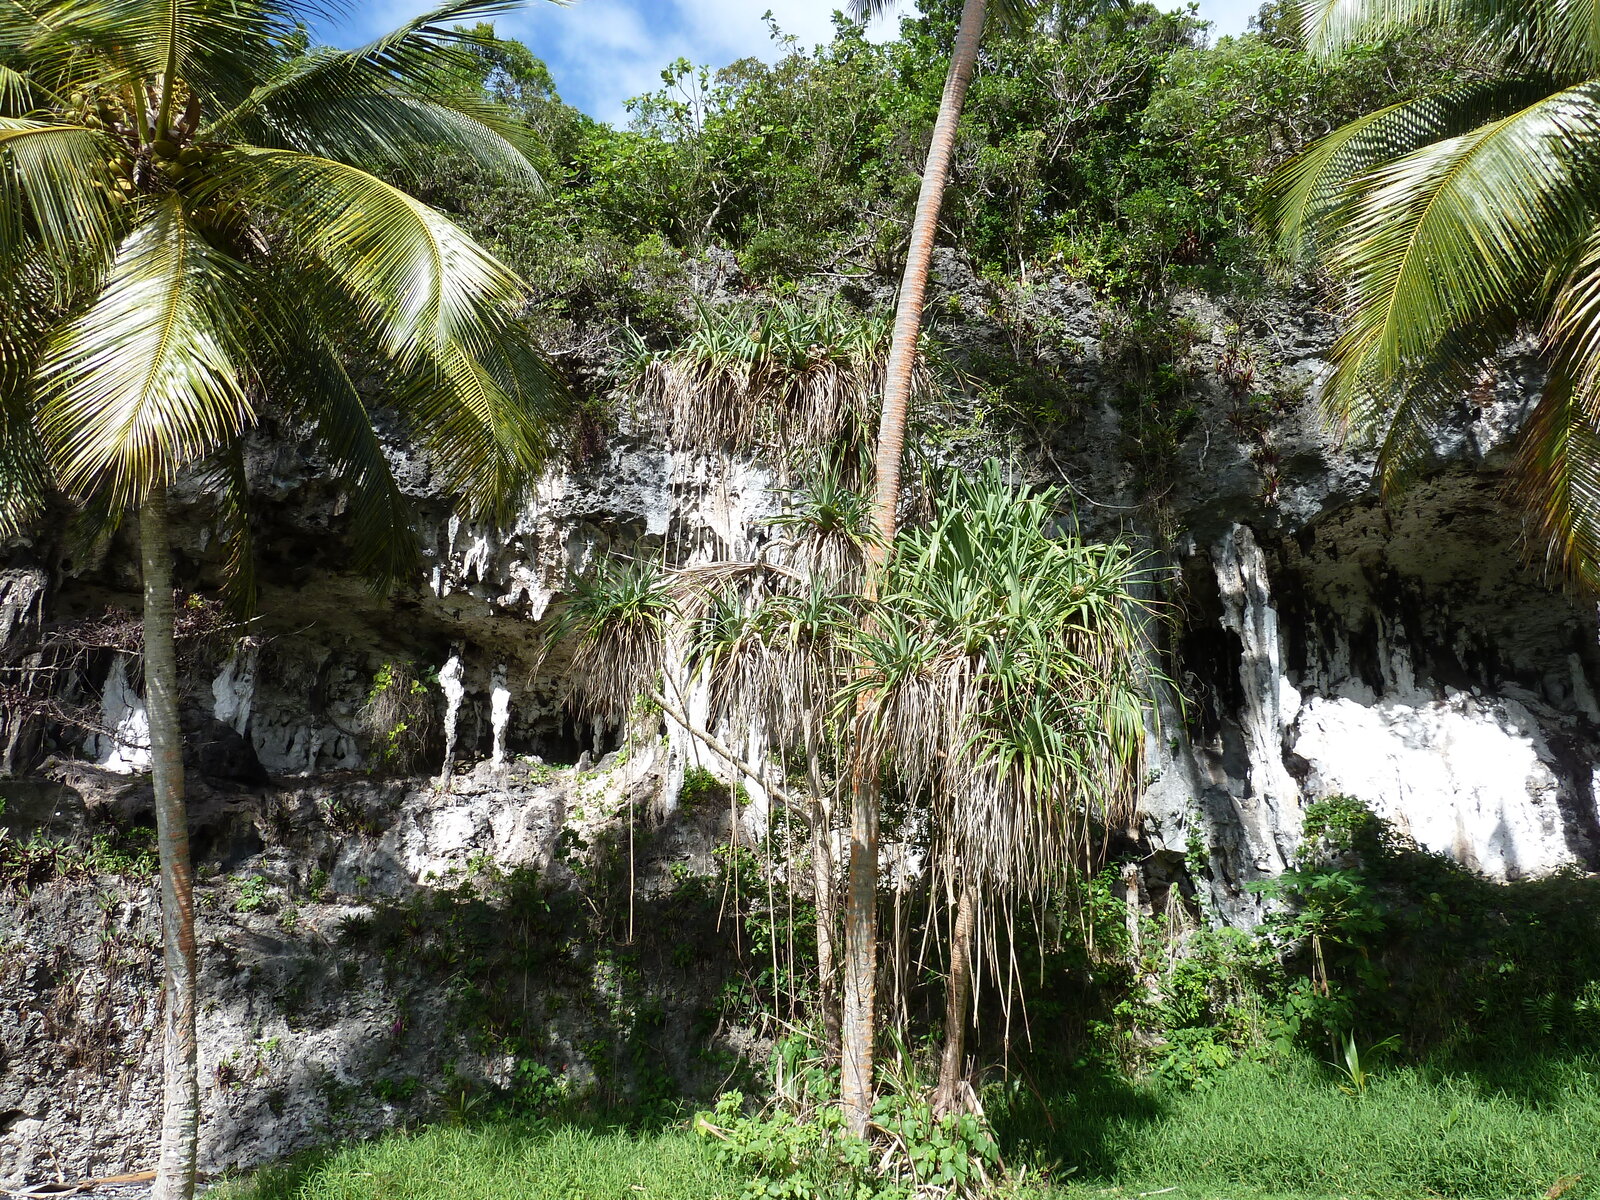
(618, 618)
(1005, 677)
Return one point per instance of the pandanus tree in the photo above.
(996, 675)
(766, 639)
(192, 233)
(1452, 222)
(861, 912)
(773, 644)
(1002, 685)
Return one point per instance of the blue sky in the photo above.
(603, 51)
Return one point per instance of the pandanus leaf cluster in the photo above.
(787, 375)
(1453, 222)
(1003, 676)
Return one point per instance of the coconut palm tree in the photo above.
(191, 229)
(1454, 221)
(861, 914)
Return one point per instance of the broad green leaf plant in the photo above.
(197, 221)
(1453, 222)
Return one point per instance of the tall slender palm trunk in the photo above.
(180, 1114)
(861, 892)
(947, 1097)
(823, 888)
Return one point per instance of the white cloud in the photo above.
(604, 51)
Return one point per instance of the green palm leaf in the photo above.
(417, 284)
(1560, 34)
(1559, 477)
(314, 384)
(1306, 195)
(156, 372)
(55, 194)
(1460, 231)
(489, 412)
(385, 100)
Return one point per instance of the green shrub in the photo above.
(1380, 936)
(702, 788)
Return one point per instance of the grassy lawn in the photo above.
(1491, 1132)
(1257, 1132)
(513, 1161)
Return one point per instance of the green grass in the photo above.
(506, 1161)
(1494, 1132)
(1279, 1131)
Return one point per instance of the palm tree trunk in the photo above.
(860, 955)
(180, 1116)
(827, 916)
(946, 1098)
(914, 284)
(861, 893)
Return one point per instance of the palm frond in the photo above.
(55, 194)
(313, 383)
(417, 284)
(490, 411)
(1424, 255)
(24, 471)
(1558, 478)
(1562, 35)
(156, 372)
(226, 479)
(386, 100)
(1306, 196)
(214, 48)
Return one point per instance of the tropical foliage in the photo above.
(1455, 221)
(995, 683)
(191, 233)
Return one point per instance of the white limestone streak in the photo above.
(452, 687)
(499, 714)
(1271, 811)
(125, 746)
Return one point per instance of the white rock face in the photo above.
(452, 687)
(499, 715)
(233, 691)
(1464, 776)
(1403, 657)
(126, 746)
(1270, 807)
